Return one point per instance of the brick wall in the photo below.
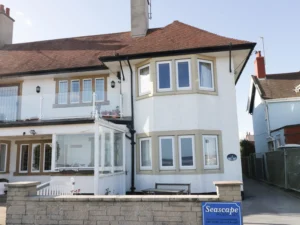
(24, 207)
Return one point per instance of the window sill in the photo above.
(79, 104)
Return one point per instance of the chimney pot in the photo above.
(7, 12)
(1, 8)
(260, 68)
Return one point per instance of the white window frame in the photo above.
(5, 160)
(71, 92)
(103, 89)
(67, 93)
(157, 76)
(160, 153)
(193, 152)
(44, 158)
(20, 163)
(217, 145)
(177, 75)
(278, 141)
(150, 150)
(139, 78)
(32, 147)
(212, 75)
(83, 91)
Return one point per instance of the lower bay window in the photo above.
(24, 158)
(193, 151)
(166, 150)
(210, 152)
(35, 158)
(3, 157)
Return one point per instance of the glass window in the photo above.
(47, 157)
(75, 91)
(63, 92)
(210, 151)
(87, 93)
(144, 80)
(183, 74)
(99, 89)
(107, 157)
(3, 157)
(36, 158)
(118, 149)
(278, 141)
(9, 99)
(145, 153)
(24, 158)
(187, 152)
(206, 74)
(75, 151)
(164, 76)
(166, 148)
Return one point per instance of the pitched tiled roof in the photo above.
(278, 85)
(83, 52)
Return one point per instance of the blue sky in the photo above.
(276, 21)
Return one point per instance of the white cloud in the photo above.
(19, 13)
(28, 22)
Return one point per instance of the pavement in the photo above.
(2, 213)
(268, 205)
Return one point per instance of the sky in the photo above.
(276, 21)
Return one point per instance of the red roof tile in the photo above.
(82, 52)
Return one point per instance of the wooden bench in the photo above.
(168, 191)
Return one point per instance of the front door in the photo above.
(9, 103)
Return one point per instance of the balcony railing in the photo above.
(59, 106)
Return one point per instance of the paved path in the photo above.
(267, 205)
(2, 213)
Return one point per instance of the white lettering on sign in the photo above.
(221, 210)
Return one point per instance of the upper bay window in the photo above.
(183, 74)
(63, 92)
(144, 80)
(164, 76)
(206, 75)
(100, 89)
(87, 94)
(75, 91)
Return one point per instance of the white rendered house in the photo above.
(121, 112)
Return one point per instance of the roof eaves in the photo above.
(221, 48)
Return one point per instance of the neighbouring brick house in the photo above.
(121, 112)
(274, 102)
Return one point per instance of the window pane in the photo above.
(144, 80)
(8, 103)
(3, 152)
(47, 157)
(166, 151)
(118, 149)
(205, 72)
(183, 74)
(186, 146)
(75, 91)
(74, 151)
(99, 89)
(107, 150)
(87, 93)
(24, 158)
(164, 75)
(210, 151)
(145, 153)
(63, 92)
(36, 155)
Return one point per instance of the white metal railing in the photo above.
(52, 188)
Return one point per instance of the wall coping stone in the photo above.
(227, 183)
(22, 184)
(126, 198)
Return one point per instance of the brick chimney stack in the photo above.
(259, 64)
(6, 26)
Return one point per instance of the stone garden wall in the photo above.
(25, 207)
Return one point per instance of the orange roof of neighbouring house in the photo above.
(83, 52)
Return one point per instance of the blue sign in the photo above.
(221, 213)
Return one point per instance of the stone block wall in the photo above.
(24, 207)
